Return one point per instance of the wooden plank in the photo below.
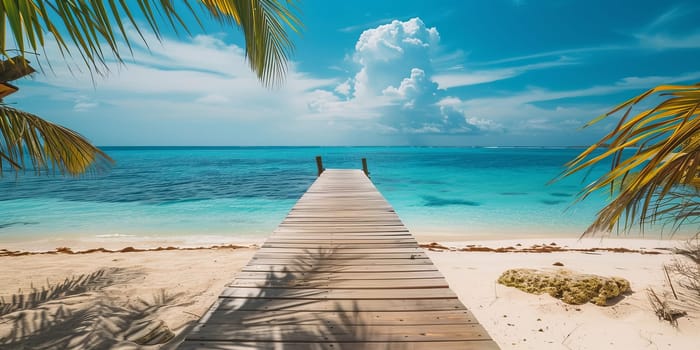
(343, 250)
(384, 233)
(357, 231)
(333, 294)
(340, 256)
(337, 333)
(385, 305)
(400, 318)
(317, 214)
(442, 345)
(322, 245)
(329, 240)
(342, 226)
(330, 268)
(329, 244)
(310, 262)
(342, 284)
(349, 222)
(345, 207)
(340, 276)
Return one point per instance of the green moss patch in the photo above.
(570, 287)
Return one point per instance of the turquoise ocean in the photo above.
(242, 193)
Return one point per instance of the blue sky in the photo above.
(473, 73)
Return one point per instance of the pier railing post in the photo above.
(319, 165)
(364, 166)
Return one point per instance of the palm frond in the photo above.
(47, 146)
(94, 29)
(264, 24)
(665, 162)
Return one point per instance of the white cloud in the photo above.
(450, 80)
(194, 91)
(661, 41)
(414, 89)
(344, 88)
(84, 104)
(667, 17)
(362, 26)
(394, 85)
(456, 78)
(663, 32)
(388, 52)
(522, 113)
(213, 99)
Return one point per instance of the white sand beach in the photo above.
(124, 296)
(518, 320)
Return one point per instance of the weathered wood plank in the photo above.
(333, 294)
(334, 246)
(300, 239)
(357, 231)
(344, 305)
(455, 345)
(358, 318)
(342, 284)
(329, 268)
(338, 333)
(384, 233)
(311, 262)
(343, 250)
(339, 256)
(339, 276)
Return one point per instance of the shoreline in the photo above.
(173, 287)
(448, 236)
(432, 243)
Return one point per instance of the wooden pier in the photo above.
(340, 272)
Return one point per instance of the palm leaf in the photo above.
(47, 146)
(661, 179)
(94, 29)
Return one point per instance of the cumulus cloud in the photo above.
(394, 85)
(417, 88)
(388, 53)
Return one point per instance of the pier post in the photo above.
(319, 165)
(364, 166)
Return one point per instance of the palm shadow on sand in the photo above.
(74, 314)
(288, 307)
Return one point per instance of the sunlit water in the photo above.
(243, 193)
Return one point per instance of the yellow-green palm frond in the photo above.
(665, 141)
(95, 28)
(47, 146)
(264, 24)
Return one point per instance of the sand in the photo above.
(123, 298)
(518, 320)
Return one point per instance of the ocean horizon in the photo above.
(224, 194)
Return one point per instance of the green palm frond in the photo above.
(95, 28)
(666, 160)
(49, 147)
